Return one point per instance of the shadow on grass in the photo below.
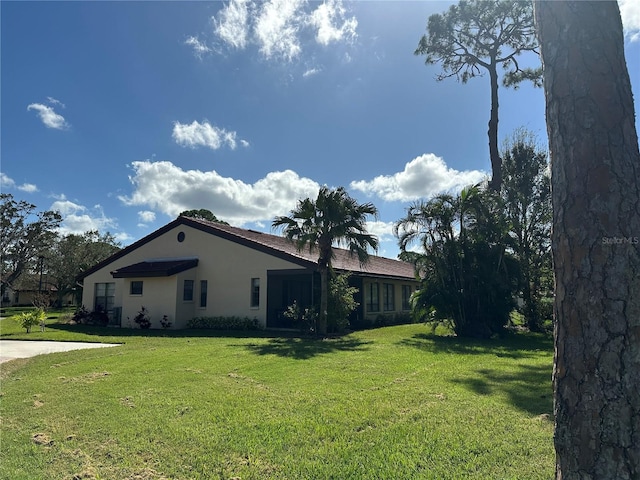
(515, 346)
(306, 348)
(528, 386)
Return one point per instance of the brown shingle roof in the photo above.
(274, 245)
(279, 245)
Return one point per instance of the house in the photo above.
(33, 290)
(196, 268)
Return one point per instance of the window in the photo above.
(255, 292)
(203, 293)
(389, 297)
(373, 299)
(187, 291)
(136, 287)
(407, 290)
(105, 294)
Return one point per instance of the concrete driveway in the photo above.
(11, 349)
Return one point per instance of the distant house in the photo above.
(195, 268)
(30, 290)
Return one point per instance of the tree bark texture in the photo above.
(595, 167)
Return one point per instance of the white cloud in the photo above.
(331, 24)
(277, 27)
(49, 117)
(630, 13)
(382, 230)
(28, 188)
(78, 219)
(423, 176)
(199, 48)
(53, 101)
(8, 182)
(146, 216)
(310, 72)
(165, 187)
(66, 207)
(232, 26)
(204, 135)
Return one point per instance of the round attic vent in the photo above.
(181, 237)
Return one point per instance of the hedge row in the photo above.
(224, 323)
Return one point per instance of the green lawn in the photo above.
(391, 403)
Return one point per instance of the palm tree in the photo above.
(334, 218)
(467, 273)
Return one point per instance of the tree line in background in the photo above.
(39, 260)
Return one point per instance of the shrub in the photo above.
(390, 319)
(305, 319)
(82, 316)
(468, 271)
(383, 320)
(65, 318)
(99, 317)
(143, 318)
(362, 323)
(32, 318)
(545, 308)
(341, 302)
(165, 322)
(85, 317)
(224, 323)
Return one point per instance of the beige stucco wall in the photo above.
(158, 297)
(227, 266)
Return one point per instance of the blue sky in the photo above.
(120, 115)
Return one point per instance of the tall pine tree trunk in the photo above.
(494, 153)
(595, 239)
